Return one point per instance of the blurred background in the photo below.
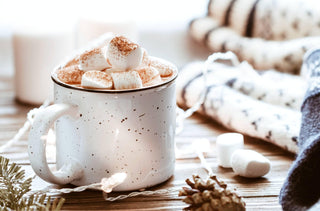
(159, 26)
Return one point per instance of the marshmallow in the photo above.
(70, 75)
(164, 67)
(122, 54)
(226, 144)
(145, 57)
(149, 75)
(74, 61)
(249, 163)
(96, 79)
(100, 43)
(126, 80)
(93, 60)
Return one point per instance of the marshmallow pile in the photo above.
(244, 162)
(117, 63)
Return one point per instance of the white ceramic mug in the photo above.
(100, 133)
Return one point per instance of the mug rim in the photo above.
(55, 80)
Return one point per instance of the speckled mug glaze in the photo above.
(99, 133)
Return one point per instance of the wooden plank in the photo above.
(251, 189)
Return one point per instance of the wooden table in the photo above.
(259, 194)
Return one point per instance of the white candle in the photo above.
(89, 29)
(5, 51)
(36, 53)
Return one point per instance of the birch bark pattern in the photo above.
(240, 112)
(270, 20)
(285, 56)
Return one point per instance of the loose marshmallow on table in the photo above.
(226, 144)
(126, 80)
(97, 79)
(249, 163)
(122, 54)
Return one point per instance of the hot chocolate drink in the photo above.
(114, 109)
(115, 64)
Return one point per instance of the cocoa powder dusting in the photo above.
(89, 53)
(70, 75)
(98, 75)
(72, 62)
(124, 45)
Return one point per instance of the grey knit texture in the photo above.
(301, 190)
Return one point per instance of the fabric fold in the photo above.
(301, 188)
(239, 108)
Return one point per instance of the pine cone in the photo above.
(210, 195)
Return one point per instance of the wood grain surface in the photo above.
(259, 194)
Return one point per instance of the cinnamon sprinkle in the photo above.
(70, 75)
(124, 45)
(89, 53)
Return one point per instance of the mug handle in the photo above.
(43, 121)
